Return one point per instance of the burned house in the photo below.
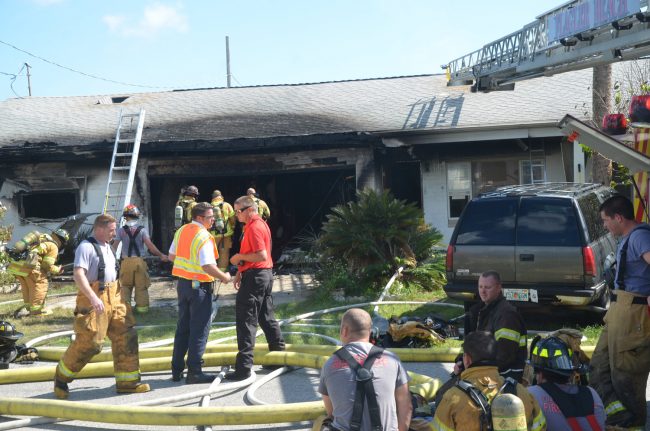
(303, 147)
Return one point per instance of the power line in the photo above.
(78, 71)
(13, 81)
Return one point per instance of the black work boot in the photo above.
(195, 377)
(237, 376)
(177, 376)
(61, 390)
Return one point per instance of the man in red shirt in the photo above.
(254, 284)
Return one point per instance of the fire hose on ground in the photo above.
(155, 357)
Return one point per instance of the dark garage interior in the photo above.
(298, 201)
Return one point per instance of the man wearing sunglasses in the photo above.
(254, 284)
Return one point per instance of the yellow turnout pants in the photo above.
(134, 273)
(34, 289)
(621, 360)
(91, 328)
(224, 243)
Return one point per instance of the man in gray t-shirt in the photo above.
(100, 311)
(390, 381)
(86, 258)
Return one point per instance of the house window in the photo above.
(459, 187)
(50, 204)
(532, 171)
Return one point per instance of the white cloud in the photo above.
(113, 22)
(156, 18)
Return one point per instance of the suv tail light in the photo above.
(588, 261)
(449, 260)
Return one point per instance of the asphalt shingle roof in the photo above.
(371, 105)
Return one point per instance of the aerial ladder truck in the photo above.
(576, 35)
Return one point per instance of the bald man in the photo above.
(390, 381)
(262, 207)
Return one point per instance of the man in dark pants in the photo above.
(194, 254)
(254, 284)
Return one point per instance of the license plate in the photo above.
(516, 294)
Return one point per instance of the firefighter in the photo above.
(458, 410)
(33, 259)
(262, 207)
(186, 202)
(100, 311)
(134, 272)
(223, 228)
(566, 406)
(621, 359)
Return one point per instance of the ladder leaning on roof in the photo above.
(123, 163)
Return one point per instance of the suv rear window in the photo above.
(488, 222)
(547, 222)
(589, 205)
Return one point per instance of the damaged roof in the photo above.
(370, 105)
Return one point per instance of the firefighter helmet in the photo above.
(63, 236)
(131, 211)
(192, 191)
(8, 332)
(216, 194)
(553, 355)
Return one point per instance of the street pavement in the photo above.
(295, 386)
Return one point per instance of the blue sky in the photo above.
(180, 44)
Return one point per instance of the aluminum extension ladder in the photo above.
(123, 164)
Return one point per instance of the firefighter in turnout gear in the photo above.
(566, 406)
(459, 411)
(223, 228)
(496, 315)
(33, 258)
(134, 273)
(262, 207)
(621, 359)
(100, 311)
(186, 202)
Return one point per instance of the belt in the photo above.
(640, 300)
(256, 270)
(203, 284)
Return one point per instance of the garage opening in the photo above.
(298, 201)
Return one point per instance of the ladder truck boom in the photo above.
(576, 35)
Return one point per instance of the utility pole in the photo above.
(227, 62)
(601, 100)
(29, 79)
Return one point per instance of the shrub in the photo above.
(375, 235)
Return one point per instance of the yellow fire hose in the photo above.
(434, 354)
(85, 411)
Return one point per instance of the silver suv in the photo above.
(546, 241)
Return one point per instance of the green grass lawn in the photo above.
(160, 322)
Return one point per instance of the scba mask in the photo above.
(131, 223)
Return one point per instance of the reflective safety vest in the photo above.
(189, 239)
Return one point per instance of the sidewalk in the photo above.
(286, 288)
